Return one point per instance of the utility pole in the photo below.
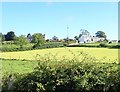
(67, 34)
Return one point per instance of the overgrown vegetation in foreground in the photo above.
(53, 75)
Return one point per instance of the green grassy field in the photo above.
(17, 66)
(23, 66)
(104, 54)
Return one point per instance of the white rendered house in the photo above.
(87, 38)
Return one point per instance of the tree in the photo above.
(29, 37)
(84, 32)
(55, 38)
(100, 34)
(38, 38)
(80, 35)
(76, 37)
(10, 36)
(2, 37)
(118, 41)
(21, 40)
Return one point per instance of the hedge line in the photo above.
(98, 45)
(43, 46)
(55, 45)
(69, 76)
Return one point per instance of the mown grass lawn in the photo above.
(104, 54)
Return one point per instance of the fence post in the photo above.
(10, 82)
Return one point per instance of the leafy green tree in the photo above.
(80, 35)
(2, 37)
(38, 38)
(100, 34)
(118, 41)
(21, 40)
(29, 37)
(10, 36)
(55, 38)
(76, 37)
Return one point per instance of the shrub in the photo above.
(115, 46)
(36, 46)
(110, 42)
(85, 75)
(66, 44)
(102, 45)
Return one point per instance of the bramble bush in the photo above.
(85, 75)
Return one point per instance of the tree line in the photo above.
(21, 40)
(39, 38)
